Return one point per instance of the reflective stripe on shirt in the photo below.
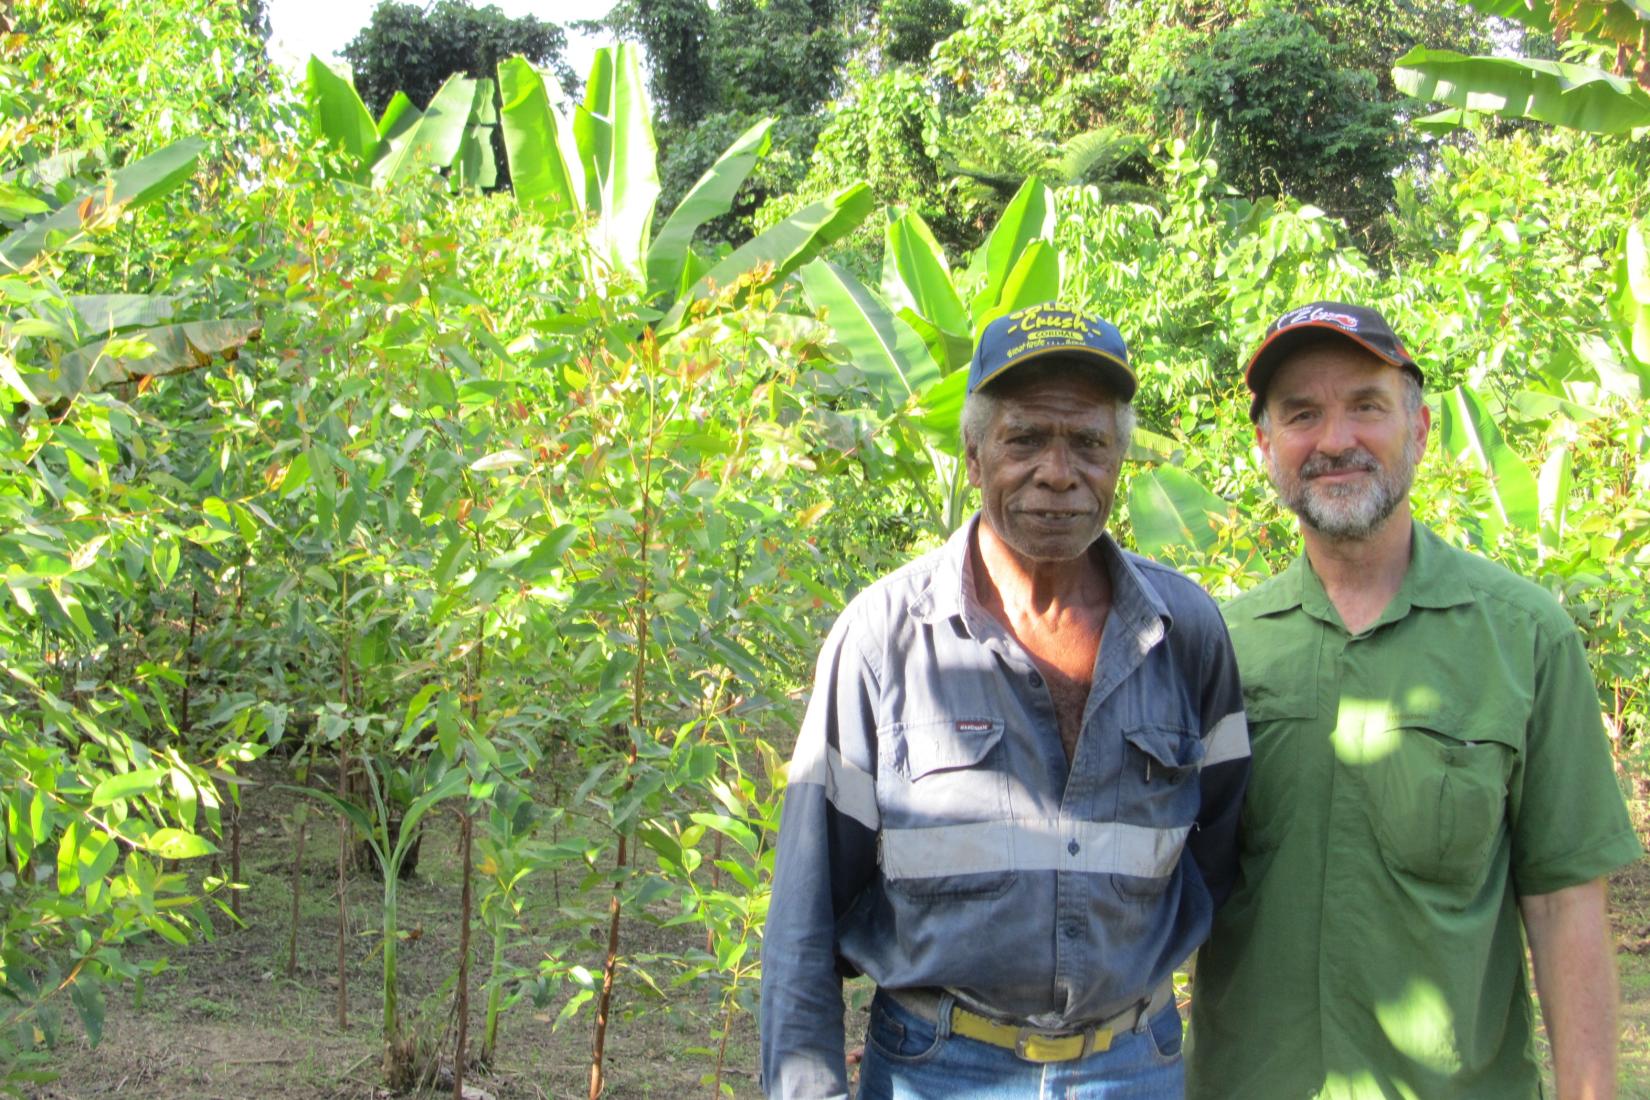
(1085, 847)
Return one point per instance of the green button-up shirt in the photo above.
(1410, 783)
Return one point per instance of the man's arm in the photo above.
(1225, 772)
(826, 858)
(1575, 974)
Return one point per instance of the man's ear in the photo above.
(971, 460)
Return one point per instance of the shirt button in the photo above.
(1073, 847)
(1073, 931)
(1036, 680)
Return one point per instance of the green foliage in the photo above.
(454, 133)
(914, 27)
(1288, 115)
(414, 49)
(531, 509)
(717, 70)
(1577, 96)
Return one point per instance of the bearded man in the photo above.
(1014, 794)
(1429, 767)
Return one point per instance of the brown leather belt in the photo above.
(1033, 1044)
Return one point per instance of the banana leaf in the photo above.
(176, 349)
(338, 114)
(1632, 297)
(786, 246)
(942, 404)
(593, 128)
(1028, 217)
(916, 276)
(108, 312)
(139, 182)
(1555, 485)
(892, 358)
(1537, 16)
(711, 197)
(630, 185)
(1034, 279)
(540, 174)
(433, 141)
(1470, 430)
(1575, 96)
(1171, 510)
(950, 350)
(398, 116)
(474, 166)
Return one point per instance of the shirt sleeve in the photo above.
(1225, 772)
(826, 859)
(1569, 820)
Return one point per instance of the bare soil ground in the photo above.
(223, 1023)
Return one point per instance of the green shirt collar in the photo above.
(1434, 579)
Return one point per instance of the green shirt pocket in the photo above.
(1439, 797)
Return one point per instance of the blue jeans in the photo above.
(907, 1058)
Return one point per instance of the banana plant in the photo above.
(595, 163)
(909, 341)
(452, 133)
(1470, 431)
(45, 222)
(95, 341)
(1575, 96)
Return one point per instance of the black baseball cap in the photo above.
(1047, 331)
(1362, 326)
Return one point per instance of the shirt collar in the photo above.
(1433, 579)
(951, 594)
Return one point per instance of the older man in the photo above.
(1014, 795)
(1429, 766)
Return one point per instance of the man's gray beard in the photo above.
(1346, 512)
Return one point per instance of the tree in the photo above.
(714, 71)
(915, 27)
(1289, 114)
(409, 49)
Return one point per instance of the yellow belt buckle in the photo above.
(1034, 1047)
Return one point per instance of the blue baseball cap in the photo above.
(1043, 332)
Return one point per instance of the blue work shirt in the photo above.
(934, 835)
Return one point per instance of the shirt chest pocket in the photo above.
(942, 771)
(942, 789)
(1440, 796)
(1159, 785)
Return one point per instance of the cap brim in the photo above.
(1116, 372)
(1262, 365)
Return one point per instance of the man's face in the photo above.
(1047, 462)
(1340, 442)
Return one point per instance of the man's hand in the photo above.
(1575, 974)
